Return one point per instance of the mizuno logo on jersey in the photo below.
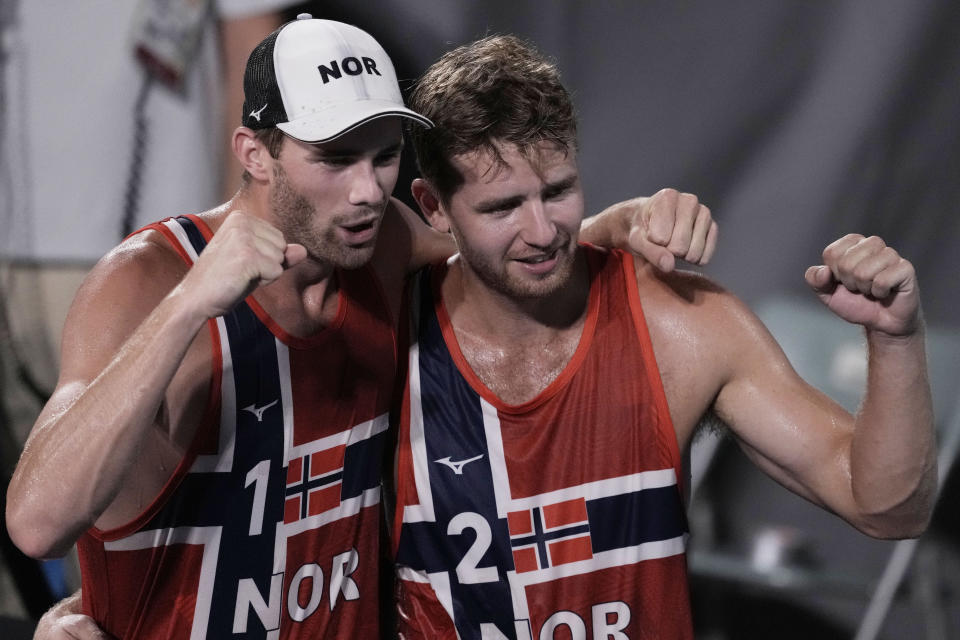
(549, 535)
(458, 465)
(314, 484)
(258, 411)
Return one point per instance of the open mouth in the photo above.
(361, 233)
(539, 258)
(541, 264)
(358, 228)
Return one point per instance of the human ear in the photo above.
(426, 196)
(252, 154)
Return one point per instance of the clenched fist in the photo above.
(864, 281)
(245, 252)
(670, 225)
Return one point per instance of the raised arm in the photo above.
(125, 386)
(426, 244)
(660, 228)
(876, 469)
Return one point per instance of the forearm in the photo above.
(893, 464)
(79, 454)
(427, 245)
(611, 227)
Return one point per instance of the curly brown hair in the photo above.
(499, 89)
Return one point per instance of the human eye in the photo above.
(332, 160)
(335, 162)
(560, 189)
(499, 208)
(557, 192)
(387, 158)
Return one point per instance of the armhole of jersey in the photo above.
(162, 229)
(668, 433)
(202, 226)
(93, 570)
(211, 412)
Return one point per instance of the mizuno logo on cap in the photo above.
(256, 114)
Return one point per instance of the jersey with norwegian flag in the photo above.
(270, 526)
(560, 517)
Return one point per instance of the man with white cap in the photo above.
(214, 444)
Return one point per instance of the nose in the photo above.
(538, 228)
(365, 188)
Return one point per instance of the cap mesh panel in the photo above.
(260, 90)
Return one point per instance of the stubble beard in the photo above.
(295, 215)
(497, 276)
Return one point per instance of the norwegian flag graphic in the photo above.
(314, 484)
(550, 535)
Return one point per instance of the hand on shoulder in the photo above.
(670, 225)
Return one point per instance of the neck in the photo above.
(303, 300)
(517, 347)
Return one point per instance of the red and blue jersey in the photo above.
(562, 515)
(270, 526)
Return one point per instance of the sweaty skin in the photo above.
(875, 469)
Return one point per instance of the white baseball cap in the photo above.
(318, 79)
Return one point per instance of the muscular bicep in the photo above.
(715, 354)
(791, 430)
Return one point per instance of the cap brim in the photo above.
(323, 126)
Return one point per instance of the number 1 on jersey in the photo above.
(260, 474)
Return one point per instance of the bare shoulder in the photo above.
(146, 255)
(690, 302)
(115, 297)
(700, 333)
